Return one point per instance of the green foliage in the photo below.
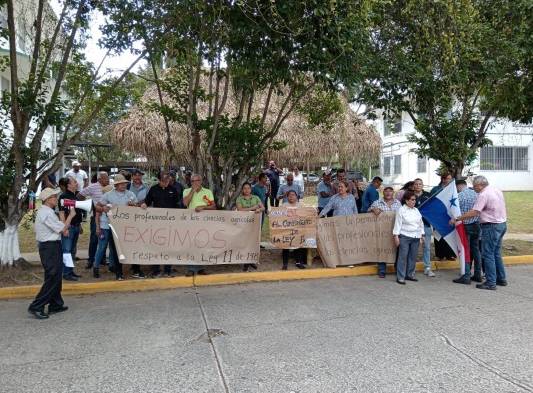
(444, 62)
(321, 108)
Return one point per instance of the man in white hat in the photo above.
(48, 230)
(120, 196)
(79, 174)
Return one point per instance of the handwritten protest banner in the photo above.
(349, 240)
(292, 227)
(184, 237)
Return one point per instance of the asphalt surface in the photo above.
(357, 334)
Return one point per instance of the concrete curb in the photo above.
(227, 278)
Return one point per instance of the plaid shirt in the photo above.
(384, 207)
(467, 199)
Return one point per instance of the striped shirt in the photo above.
(384, 206)
(467, 199)
(93, 191)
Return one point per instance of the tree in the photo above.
(452, 67)
(56, 88)
(259, 53)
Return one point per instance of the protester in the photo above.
(408, 232)
(371, 194)
(467, 199)
(175, 184)
(386, 204)
(290, 185)
(341, 177)
(421, 197)
(198, 198)
(325, 192)
(249, 202)
(342, 204)
(69, 241)
(260, 188)
(409, 186)
(94, 192)
(137, 186)
(442, 249)
(490, 208)
(300, 254)
(186, 180)
(120, 196)
(360, 187)
(299, 179)
(164, 196)
(48, 230)
(79, 174)
(273, 173)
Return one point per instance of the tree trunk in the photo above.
(9, 245)
(458, 171)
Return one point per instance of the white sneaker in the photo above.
(428, 272)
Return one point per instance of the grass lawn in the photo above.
(519, 210)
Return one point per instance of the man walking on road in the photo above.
(490, 208)
(48, 230)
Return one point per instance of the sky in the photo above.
(114, 64)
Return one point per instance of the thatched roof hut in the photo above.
(142, 132)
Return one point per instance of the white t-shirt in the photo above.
(80, 176)
(299, 179)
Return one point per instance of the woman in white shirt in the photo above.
(408, 233)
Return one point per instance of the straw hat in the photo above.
(119, 179)
(107, 188)
(48, 192)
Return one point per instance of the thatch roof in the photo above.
(142, 132)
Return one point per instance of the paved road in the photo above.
(337, 335)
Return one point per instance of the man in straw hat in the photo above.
(48, 230)
(120, 196)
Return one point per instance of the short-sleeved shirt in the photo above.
(93, 191)
(202, 198)
(47, 226)
(139, 191)
(285, 188)
(369, 197)
(167, 197)
(491, 206)
(79, 213)
(115, 198)
(323, 187)
(248, 203)
(259, 190)
(80, 177)
(341, 206)
(467, 199)
(385, 207)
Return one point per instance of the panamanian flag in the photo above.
(438, 211)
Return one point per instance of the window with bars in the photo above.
(387, 166)
(504, 158)
(421, 165)
(392, 126)
(397, 164)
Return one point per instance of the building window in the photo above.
(504, 158)
(421, 165)
(387, 166)
(397, 164)
(392, 126)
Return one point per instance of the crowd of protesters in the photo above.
(58, 227)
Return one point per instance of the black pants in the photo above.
(274, 202)
(51, 255)
(156, 269)
(300, 254)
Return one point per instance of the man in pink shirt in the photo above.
(490, 207)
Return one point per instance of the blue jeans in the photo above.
(93, 241)
(407, 257)
(491, 251)
(106, 238)
(68, 246)
(426, 257)
(382, 268)
(472, 232)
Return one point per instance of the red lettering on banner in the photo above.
(197, 240)
(182, 241)
(128, 233)
(220, 243)
(160, 240)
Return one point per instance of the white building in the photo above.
(507, 163)
(25, 15)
